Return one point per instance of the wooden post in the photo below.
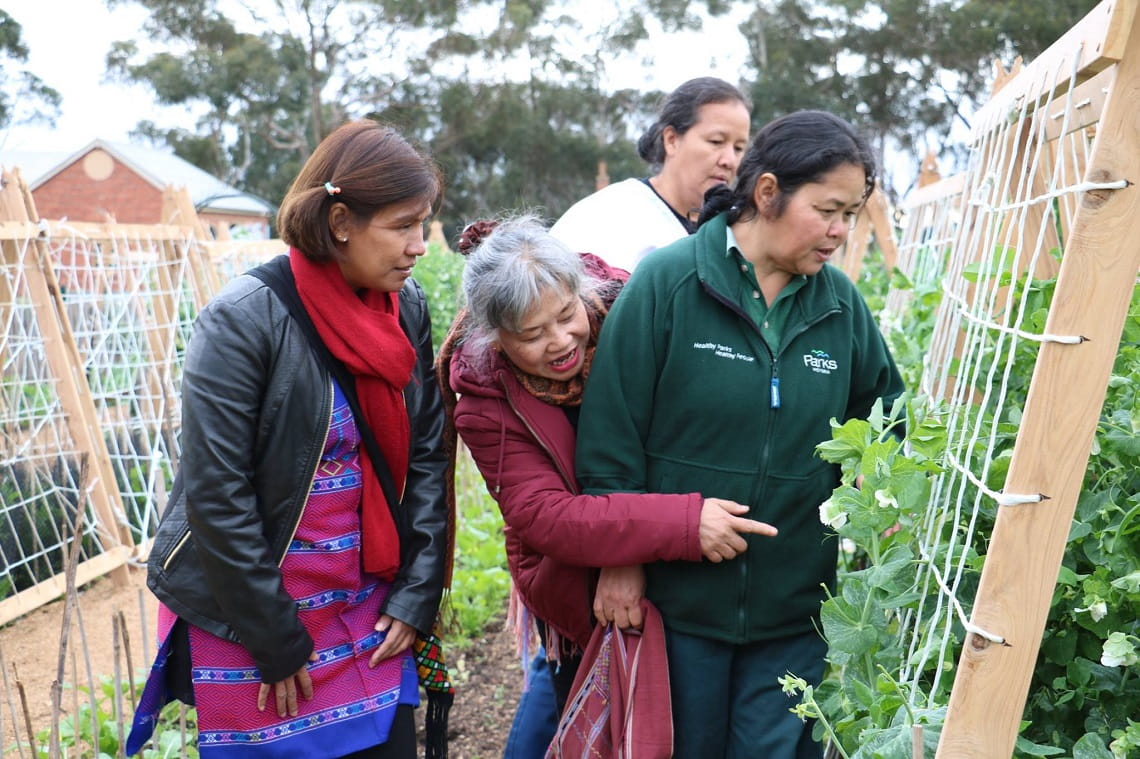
(874, 218)
(1094, 288)
(928, 172)
(178, 210)
(879, 212)
(855, 248)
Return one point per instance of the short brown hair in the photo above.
(372, 166)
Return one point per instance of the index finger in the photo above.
(756, 528)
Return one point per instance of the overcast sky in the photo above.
(68, 42)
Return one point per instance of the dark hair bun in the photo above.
(718, 198)
(473, 234)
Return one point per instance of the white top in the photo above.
(621, 223)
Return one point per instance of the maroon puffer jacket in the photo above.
(524, 448)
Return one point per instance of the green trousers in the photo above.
(727, 703)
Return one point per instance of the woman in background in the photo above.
(695, 144)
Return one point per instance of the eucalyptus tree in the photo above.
(911, 72)
(24, 97)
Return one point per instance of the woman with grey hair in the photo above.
(518, 357)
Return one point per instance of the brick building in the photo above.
(124, 182)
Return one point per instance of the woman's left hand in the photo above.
(400, 636)
(618, 596)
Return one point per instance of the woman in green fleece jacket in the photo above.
(719, 370)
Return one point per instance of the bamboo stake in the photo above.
(90, 677)
(75, 699)
(916, 746)
(70, 600)
(27, 712)
(118, 684)
(130, 665)
(11, 705)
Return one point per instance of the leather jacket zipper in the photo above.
(174, 552)
(312, 478)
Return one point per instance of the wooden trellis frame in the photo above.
(1093, 290)
(74, 396)
(178, 272)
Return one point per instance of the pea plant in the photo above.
(1084, 698)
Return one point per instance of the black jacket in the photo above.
(255, 414)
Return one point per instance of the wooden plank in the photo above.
(1088, 103)
(928, 173)
(97, 230)
(30, 599)
(936, 191)
(18, 230)
(1092, 296)
(1092, 45)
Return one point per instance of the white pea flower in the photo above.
(1118, 651)
(885, 499)
(831, 515)
(1097, 610)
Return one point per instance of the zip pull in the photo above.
(775, 394)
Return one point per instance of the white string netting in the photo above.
(928, 226)
(41, 466)
(1002, 235)
(129, 296)
(232, 258)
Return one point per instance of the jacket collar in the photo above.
(717, 272)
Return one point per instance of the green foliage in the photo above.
(440, 274)
(24, 97)
(481, 583)
(98, 724)
(1083, 699)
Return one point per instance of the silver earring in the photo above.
(343, 239)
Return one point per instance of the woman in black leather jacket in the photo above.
(294, 569)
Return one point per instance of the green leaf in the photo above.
(849, 440)
(1025, 746)
(1091, 746)
(1129, 583)
(843, 628)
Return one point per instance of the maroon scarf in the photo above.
(364, 333)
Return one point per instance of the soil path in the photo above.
(487, 674)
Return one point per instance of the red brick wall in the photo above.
(125, 195)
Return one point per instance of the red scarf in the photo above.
(364, 333)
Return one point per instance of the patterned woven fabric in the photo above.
(353, 705)
(430, 664)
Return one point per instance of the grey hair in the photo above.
(507, 274)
